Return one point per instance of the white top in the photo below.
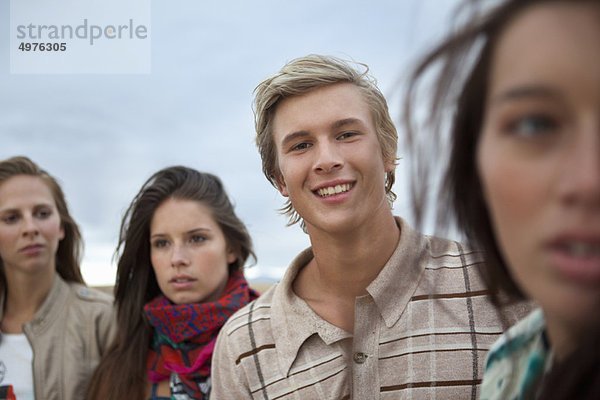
(16, 357)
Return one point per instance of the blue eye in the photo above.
(347, 135)
(300, 146)
(533, 125)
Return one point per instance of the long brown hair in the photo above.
(122, 373)
(461, 68)
(70, 248)
(461, 65)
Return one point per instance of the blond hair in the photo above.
(303, 75)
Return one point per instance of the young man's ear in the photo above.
(281, 186)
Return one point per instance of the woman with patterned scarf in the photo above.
(181, 252)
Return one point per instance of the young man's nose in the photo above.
(328, 158)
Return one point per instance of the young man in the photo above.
(373, 309)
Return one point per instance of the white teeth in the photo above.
(580, 249)
(333, 190)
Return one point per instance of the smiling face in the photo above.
(539, 158)
(30, 226)
(189, 252)
(330, 161)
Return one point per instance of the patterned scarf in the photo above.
(185, 335)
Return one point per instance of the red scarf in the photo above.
(185, 334)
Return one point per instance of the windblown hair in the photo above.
(70, 248)
(122, 373)
(303, 75)
(461, 67)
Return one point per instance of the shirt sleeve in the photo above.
(228, 379)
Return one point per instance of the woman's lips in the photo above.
(182, 282)
(32, 249)
(577, 260)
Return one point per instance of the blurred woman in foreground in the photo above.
(522, 82)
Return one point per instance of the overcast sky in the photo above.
(104, 135)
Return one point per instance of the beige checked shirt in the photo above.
(421, 333)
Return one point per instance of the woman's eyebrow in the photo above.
(525, 92)
(17, 209)
(198, 230)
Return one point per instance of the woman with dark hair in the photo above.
(522, 82)
(179, 278)
(54, 328)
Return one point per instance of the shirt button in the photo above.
(360, 358)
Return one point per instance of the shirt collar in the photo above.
(50, 309)
(397, 282)
(293, 321)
